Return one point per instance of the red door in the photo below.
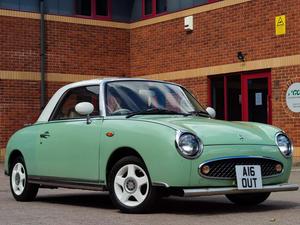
(256, 97)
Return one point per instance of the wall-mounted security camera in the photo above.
(241, 56)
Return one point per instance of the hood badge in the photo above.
(241, 137)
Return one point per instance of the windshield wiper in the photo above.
(199, 113)
(156, 111)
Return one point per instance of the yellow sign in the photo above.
(280, 25)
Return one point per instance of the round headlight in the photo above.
(284, 144)
(189, 145)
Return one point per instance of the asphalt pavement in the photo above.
(63, 206)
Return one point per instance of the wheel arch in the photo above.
(13, 155)
(118, 154)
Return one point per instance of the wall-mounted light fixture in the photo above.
(188, 23)
(241, 56)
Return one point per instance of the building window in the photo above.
(83, 7)
(94, 8)
(161, 6)
(102, 7)
(147, 7)
(154, 7)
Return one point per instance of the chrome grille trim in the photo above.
(226, 170)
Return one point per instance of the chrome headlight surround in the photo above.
(188, 145)
(284, 144)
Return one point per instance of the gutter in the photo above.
(42, 55)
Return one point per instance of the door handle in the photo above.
(45, 134)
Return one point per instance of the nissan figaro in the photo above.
(142, 139)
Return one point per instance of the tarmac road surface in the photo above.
(63, 206)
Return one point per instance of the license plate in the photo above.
(248, 177)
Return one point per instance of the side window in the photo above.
(66, 108)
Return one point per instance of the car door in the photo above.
(69, 146)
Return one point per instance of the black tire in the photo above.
(28, 191)
(250, 199)
(149, 193)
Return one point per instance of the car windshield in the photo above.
(149, 97)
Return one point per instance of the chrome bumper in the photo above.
(234, 190)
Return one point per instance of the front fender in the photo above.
(24, 140)
(155, 143)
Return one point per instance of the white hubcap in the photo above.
(131, 185)
(18, 179)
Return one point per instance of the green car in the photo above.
(143, 139)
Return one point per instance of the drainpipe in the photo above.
(43, 55)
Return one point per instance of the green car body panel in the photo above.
(81, 151)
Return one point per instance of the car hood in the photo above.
(219, 132)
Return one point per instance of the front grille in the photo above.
(225, 168)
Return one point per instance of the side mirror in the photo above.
(211, 111)
(85, 109)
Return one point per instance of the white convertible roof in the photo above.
(45, 115)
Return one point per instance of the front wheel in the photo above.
(20, 188)
(130, 186)
(248, 199)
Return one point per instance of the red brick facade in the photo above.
(19, 105)
(20, 44)
(71, 48)
(82, 49)
(217, 37)
(282, 78)
(151, 49)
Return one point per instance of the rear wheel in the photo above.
(248, 199)
(20, 188)
(130, 186)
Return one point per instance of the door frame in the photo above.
(244, 91)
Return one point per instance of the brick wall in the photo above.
(217, 37)
(19, 40)
(19, 105)
(83, 49)
(71, 48)
(289, 121)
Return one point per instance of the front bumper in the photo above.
(212, 153)
(233, 190)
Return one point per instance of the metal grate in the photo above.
(225, 168)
